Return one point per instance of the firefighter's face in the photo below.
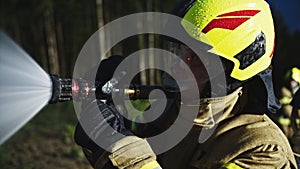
(196, 65)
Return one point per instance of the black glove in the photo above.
(99, 122)
(103, 123)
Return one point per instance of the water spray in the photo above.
(25, 88)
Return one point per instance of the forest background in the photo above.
(53, 32)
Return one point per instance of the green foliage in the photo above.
(136, 109)
(141, 105)
(68, 132)
(4, 157)
(47, 138)
(74, 152)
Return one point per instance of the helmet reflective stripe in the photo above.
(230, 26)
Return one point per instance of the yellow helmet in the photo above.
(240, 31)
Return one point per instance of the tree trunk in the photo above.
(142, 59)
(51, 41)
(103, 38)
(157, 44)
(151, 44)
(61, 49)
(142, 45)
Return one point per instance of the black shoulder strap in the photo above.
(272, 102)
(296, 100)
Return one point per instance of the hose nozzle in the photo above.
(66, 89)
(61, 89)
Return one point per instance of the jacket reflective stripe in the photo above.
(151, 165)
(230, 166)
(285, 100)
(287, 122)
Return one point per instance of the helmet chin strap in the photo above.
(272, 102)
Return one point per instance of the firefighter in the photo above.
(292, 83)
(295, 123)
(241, 34)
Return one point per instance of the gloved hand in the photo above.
(104, 125)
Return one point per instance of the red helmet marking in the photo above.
(231, 21)
(241, 13)
(273, 50)
(225, 23)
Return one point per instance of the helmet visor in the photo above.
(205, 68)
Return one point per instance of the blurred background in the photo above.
(53, 32)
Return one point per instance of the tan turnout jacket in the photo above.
(247, 141)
